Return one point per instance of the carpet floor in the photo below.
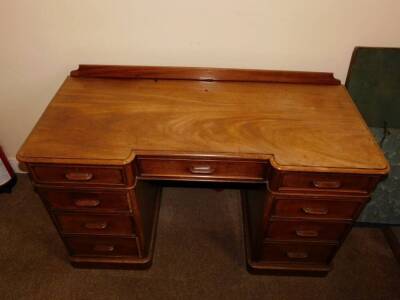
(199, 254)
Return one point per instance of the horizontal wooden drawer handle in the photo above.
(201, 169)
(77, 176)
(103, 248)
(297, 255)
(315, 211)
(320, 184)
(87, 203)
(96, 225)
(307, 233)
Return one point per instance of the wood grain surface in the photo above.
(295, 126)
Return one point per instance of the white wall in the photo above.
(41, 41)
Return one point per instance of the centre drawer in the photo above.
(95, 224)
(201, 169)
(306, 230)
(102, 246)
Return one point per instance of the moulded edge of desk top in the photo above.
(268, 158)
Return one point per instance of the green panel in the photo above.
(384, 207)
(374, 84)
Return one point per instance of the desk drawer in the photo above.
(102, 246)
(321, 182)
(95, 224)
(294, 252)
(81, 175)
(316, 209)
(85, 200)
(306, 230)
(203, 169)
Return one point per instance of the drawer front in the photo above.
(202, 169)
(83, 200)
(95, 224)
(306, 230)
(321, 209)
(323, 182)
(298, 253)
(80, 175)
(102, 246)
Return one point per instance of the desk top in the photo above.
(100, 120)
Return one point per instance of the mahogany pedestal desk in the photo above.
(294, 141)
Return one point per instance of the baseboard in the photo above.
(15, 165)
(375, 225)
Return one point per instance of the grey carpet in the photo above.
(199, 255)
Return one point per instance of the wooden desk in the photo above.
(112, 134)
